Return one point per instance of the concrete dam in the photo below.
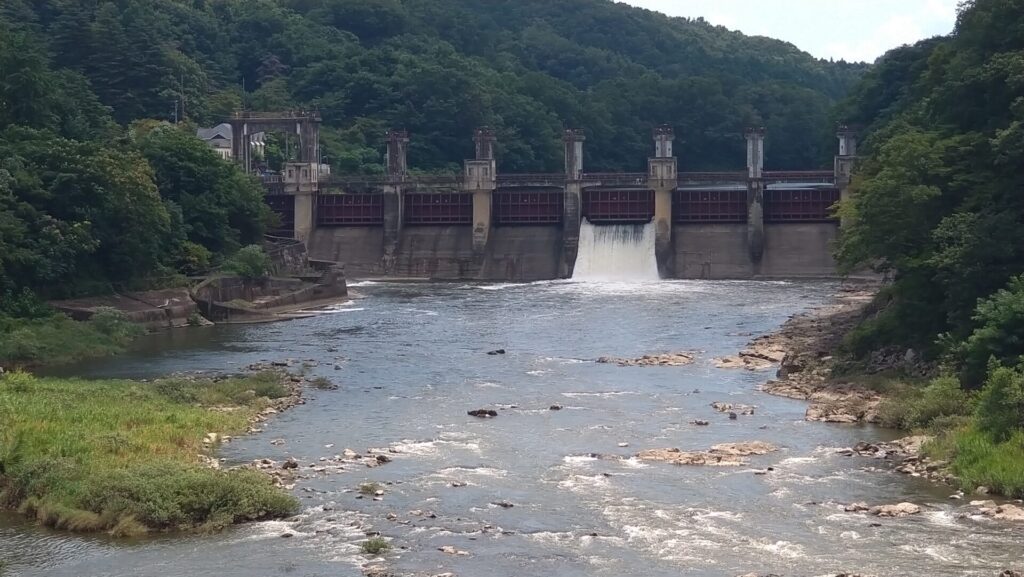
(491, 226)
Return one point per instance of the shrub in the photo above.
(1000, 412)
(913, 408)
(193, 258)
(250, 263)
(999, 333)
(376, 546)
(115, 324)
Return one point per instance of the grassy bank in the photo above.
(979, 433)
(54, 339)
(124, 456)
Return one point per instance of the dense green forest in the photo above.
(440, 68)
(938, 205)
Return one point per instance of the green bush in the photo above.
(1000, 412)
(56, 339)
(250, 263)
(376, 546)
(193, 258)
(999, 333)
(914, 408)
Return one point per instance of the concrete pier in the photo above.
(755, 194)
(481, 180)
(396, 161)
(573, 140)
(663, 178)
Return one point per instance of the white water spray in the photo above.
(616, 253)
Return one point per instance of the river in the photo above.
(410, 360)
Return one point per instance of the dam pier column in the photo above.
(301, 180)
(573, 201)
(755, 194)
(663, 177)
(846, 160)
(398, 172)
(481, 180)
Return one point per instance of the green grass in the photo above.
(56, 339)
(123, 456)
(978, 461)
(376, 546)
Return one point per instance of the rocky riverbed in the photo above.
(540, 490)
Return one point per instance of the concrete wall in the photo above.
(439, 252)
(720, 251)
(523, 253)
(799, 249)
(359, 248)
(529, 253)
(712, 251)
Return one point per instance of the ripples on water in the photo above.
(411, 363)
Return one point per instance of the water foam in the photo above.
(615, 253)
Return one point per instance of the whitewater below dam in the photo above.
(411, 359)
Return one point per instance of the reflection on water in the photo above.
(410, 361)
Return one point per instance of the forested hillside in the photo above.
(441, 68)
(939, 206)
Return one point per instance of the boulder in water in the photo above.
(662, 360)
(483, 413)
(898, 510)
(496, 352)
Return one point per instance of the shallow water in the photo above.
(411, 361)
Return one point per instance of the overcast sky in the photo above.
(855, 30)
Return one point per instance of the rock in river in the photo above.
(724, 455)
(483, 413)
(663, 360)
(898, 510)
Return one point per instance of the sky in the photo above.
(854, 30)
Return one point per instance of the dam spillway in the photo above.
(616, 253)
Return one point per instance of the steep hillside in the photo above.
(440, 68)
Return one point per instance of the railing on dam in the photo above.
(524, 206)
(366, 209)
(615, 178)
(709, 206)
(800, 205)
(444, 208)
(801, 177)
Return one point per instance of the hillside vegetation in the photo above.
(938, 205)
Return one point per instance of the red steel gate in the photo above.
(800, 205)
(701, 206)
(363, 209)
(621, 205)
(526, 206)
(439, 208)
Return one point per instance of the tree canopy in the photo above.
(937, 202)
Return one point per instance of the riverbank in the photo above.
(945, 447)
(132, 457)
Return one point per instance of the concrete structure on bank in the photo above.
(485, 225)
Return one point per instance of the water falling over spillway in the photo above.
(616, 252)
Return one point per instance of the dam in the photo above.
(491, 226)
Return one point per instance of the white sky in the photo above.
(855, 30)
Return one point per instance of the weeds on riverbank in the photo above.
(55, 339)
(123, 456)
